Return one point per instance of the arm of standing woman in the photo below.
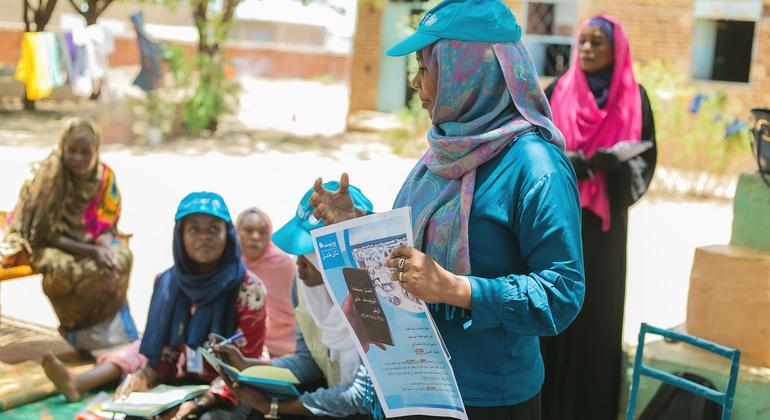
(545, 299)
(641, 168)
(540, 302)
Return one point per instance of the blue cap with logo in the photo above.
(464, 20)
(294, 237)
(203, 202)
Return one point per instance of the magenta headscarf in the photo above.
(588, 128)
(276, 269)
(488, 96)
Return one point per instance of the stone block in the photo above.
(729, 300)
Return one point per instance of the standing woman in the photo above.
(495, 208)
(597, 104)
(66, 223)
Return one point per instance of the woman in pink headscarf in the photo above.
(597, 104)
(277, 270)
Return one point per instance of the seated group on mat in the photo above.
(228, 277)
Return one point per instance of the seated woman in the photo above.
(65, 224)
(276, 269)
(207, 291)
(325, 353)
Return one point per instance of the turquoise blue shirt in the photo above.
(526, 272)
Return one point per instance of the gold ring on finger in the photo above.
(400, 273)
(401, 263)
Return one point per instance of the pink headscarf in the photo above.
(276, 269)
(587, 128)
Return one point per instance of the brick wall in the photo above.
(662, 29)
(365, 61)
(659, 29)
(760, 71)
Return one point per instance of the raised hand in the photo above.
(332, 206)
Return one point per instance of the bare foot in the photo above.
(61, 377)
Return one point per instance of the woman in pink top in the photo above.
(276, 269)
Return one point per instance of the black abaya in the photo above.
(583, 363)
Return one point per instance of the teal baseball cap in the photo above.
(464, 20)
(294, 237)
(203, 202)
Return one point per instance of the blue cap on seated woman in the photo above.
(464, 20)
(203, 202)
(294, 237)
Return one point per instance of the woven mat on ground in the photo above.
(51, 408)
(26, 382)
(22, 379)
(21, 341)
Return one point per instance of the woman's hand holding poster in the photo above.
(395, 334)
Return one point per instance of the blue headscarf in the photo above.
(169, 321)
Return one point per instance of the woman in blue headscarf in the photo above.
(207, 291)
(495, 208)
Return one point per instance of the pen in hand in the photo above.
(232, 339)
(122, 395)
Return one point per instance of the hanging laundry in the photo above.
(98, 43)
(32, 68)
(150, 52)
(79, 78)
(53, 59)
(65, 55)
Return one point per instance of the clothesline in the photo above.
(78, 58)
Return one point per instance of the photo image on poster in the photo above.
(371, 256)
(367, 305)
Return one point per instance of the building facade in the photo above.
(720, 44)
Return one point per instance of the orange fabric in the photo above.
(10, 273)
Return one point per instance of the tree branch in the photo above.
(105, 4)
(76, 6)
(27, 22)
(50, 6)
(227, 15)
(199, 17)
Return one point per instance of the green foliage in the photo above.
(196, 93)
(409, 138)
(213, 95)
(693, 141)
(201, 90)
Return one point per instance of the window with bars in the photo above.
(548, 30)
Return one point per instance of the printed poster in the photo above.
(395, 334)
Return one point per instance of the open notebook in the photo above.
(274, 382)
(154, 401)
